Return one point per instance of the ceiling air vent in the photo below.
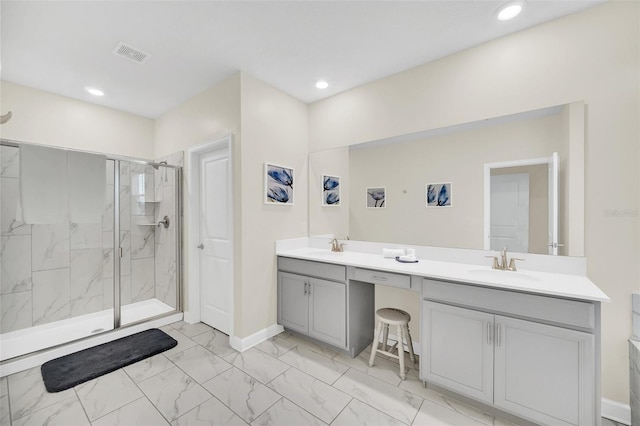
(130, 53)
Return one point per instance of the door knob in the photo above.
(200, 246)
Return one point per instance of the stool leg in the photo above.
(401, 353)
(385, 336)
(410, 344)
(374, 344)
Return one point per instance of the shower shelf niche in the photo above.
(143, 200)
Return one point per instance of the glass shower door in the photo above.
(148, 262)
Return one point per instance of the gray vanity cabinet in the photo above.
(327, 311)
(293, 302)
(543, 372)
(311, 304)
(533, 356)
(458, 352)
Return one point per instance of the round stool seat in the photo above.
(393, 316)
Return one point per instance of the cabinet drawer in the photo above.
(565, 312)
(313, 269)
(384, 278)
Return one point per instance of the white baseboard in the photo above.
(616, 411)
(191, 317)
(242, 344)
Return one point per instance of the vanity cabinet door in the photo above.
(457, 349)
(328, 312)
(544, 373)
(293, 302)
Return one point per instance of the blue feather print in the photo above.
(282, 176)
(378, 196)
(278, 194)
(431, 195)
(443, 196)
(332, 198)
(330, 183)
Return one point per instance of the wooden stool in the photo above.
(392, 317)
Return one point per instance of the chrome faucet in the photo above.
(335, 246)
(503, 264)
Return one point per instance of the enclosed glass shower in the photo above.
(62, 281)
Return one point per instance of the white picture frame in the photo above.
(376, 197)
(330, 190)
(278, 184)
(438, 195)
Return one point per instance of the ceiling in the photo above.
(63, 46)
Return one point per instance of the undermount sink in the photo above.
(500, 274)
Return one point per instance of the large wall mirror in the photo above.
(405, 166)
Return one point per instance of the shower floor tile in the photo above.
(170, 388)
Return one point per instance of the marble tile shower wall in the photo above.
(59, 271)
(49, 272)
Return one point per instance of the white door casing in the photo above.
(554, 166)
(211, 235)
(553, 163)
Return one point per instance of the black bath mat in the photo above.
(70, 370)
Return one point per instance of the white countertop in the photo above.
(550, 284)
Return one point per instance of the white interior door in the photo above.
(215, 244)
(510, 212)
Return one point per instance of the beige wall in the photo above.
(204, 118)
(325, 220)
(267, 126)
(49, 119)
(274, 129)
(591, 56)
(459, 158)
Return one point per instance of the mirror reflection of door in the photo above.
(519, 208)
(510, 212)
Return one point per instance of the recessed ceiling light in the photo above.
(509, 11)
(94, 91)
(321, 84)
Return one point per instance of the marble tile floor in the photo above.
(286, 380)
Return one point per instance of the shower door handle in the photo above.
(200, 246)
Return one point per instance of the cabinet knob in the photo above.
(200, 246)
